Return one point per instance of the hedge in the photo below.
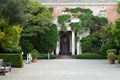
(89, 56)
(45, 56)
(16, 60)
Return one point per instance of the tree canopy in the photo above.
(13, 10)
(38, 19)
(9, 42)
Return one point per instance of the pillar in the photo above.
(57, 48)
(73, 43)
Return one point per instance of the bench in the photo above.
(4, 67)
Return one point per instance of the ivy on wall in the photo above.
(87, 21)
(62, 20)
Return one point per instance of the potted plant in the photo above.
(111, 55)
(35, 54)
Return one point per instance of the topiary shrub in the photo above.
(90, 56)
(16, 60)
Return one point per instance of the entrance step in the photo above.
(65, 57)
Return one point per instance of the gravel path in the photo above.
(65, 69)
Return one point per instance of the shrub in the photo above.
(45, 56)
(90, 56)
(118, 57)
(27, 46)
(111, 51)
(15, 59)
(111, 54)
(35, 53)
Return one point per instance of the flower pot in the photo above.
(34, 60)
(111, 61)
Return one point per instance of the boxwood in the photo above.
(16, 60)
(90, 56)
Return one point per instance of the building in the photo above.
(66, 44)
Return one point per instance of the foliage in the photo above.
(101, 21)
(105, 46)
(111, 54)
(78, 9)
(115, 32)
(111, 51)
(90, 56)
(27, 47)
(76, 27)
(107, 39)
(90, 44)
(37, 27)
(38, 19)
(45, 56)
(62, 19)
(35, 53)
(51, 9)
(12, 34)
(118, 8)
(118, 57)
(13, 10)
(46, 42)
(16, 60)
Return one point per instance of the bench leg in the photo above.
(4, 71)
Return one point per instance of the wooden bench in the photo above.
(4, 67)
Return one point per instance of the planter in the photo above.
(111, 61)
(34, 60)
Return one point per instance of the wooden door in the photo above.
(64, 45)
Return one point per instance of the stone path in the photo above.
(66, 69)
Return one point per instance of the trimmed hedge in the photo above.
(15, 59)
(45, 56)
(89, 56)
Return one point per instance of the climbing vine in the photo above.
(62, 20)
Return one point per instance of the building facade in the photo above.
(67, 45)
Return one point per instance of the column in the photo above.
(57, 48)
(73, 43)
(78, 47)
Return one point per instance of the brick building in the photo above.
(67, 43)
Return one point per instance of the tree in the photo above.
(10, 41)
(13, 10)
(37, 27)
(116, 31)
(46, 43)
(38, 19)
(106, 39)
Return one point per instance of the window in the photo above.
(64, 12)
(102, 13)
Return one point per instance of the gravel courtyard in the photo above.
(65, 69)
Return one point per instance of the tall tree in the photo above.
(38, 19)
(38, 25)
(46, 43)
(116, 32)
(13, 10)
